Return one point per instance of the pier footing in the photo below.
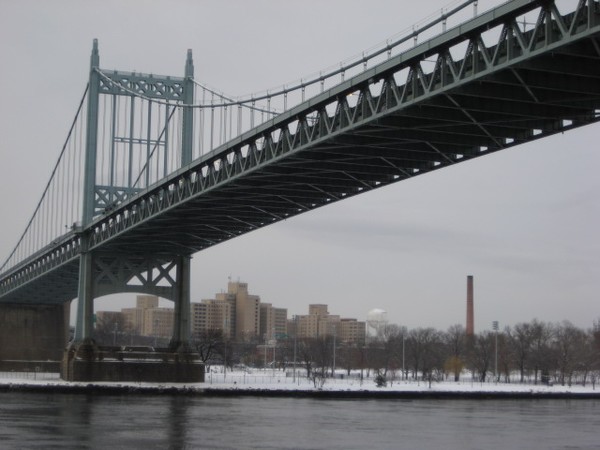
(88, 362)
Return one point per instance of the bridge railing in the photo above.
(140, 138)
(220, 117)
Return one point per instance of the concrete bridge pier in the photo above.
(84, 360)
(181, 322)
(33, 336)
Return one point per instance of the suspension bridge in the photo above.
(157, 168)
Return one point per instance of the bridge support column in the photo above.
(83, 347)
(85, 300)
(32, 336)
(181, 325)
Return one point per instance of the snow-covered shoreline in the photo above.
(234, 384)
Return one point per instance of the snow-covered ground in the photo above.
(270, 380)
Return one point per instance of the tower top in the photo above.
(95, 58)
(189, 65)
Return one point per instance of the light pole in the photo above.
(495, 327)
(295, 341)
(155, 333)
(265, 345)
(333, 368)
(274, 342)
(225, 333)
(403, 333)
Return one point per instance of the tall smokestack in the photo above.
(470, 319)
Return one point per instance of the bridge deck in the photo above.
(364, 134)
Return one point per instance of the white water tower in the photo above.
(376, 322)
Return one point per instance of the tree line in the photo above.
(528, 352)
(536, 352)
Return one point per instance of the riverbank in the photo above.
(271, 385)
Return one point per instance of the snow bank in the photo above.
(278, 384)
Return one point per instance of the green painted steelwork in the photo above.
(393, 121)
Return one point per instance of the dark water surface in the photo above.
(35, 420)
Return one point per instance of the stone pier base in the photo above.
(33, 332)
(90, 363)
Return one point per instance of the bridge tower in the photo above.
(112, 270)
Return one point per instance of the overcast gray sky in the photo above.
(524, 222)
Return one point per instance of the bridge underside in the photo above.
(524, 102)
(370, 131)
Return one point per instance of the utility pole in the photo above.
(295, 342)
(334, 333)
(403, 333)
(495, 327)
(225, 333)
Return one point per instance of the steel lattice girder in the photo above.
(493, 98)
(406, 121)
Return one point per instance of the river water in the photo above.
(35, 420)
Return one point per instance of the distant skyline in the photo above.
(524, 221)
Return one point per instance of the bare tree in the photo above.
(455, 344)
(304, 354)
(541, 356)
(349, 357)
(505, 357)
(208, 344)
(521, 341)
(391, 354)
(482, 353)
(568, 344)
(110, 329)
(424, 350)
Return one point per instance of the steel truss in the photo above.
(445, 101)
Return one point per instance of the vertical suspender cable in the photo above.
(224, 125)
(111, 158)
(131, 135)
(212, 127)
(148, 135)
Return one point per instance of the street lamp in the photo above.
(403, 333)
(495, 327)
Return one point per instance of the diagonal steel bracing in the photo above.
(458, 96)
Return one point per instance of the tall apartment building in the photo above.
(146, 301)
(318, 310)
(147, 318)
(245, 310)
(273, 322)
(109, 317)
(281, 322)
(158, 322)
(239, 314)
(319, 323)
(211, 315)
(236, 311)
(351, 331)
(134, 319)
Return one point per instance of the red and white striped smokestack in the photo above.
(470, 315)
